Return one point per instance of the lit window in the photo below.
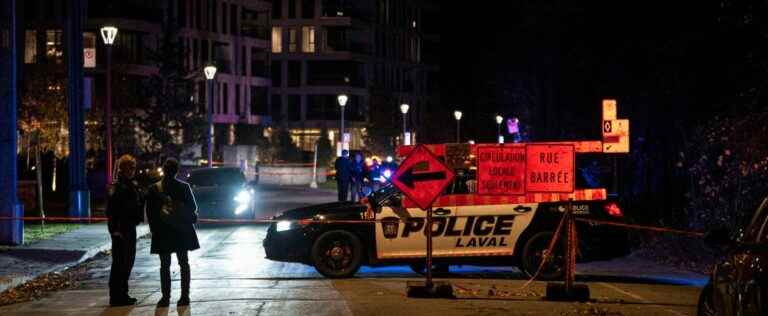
(54, 50)
(30, 47)
(308, 39)
(277, 39)
(292, 40)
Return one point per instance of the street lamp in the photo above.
(108, 34)
(404, 109)
(210, 73)
(499, 120)
(457, 115)
(342, 98)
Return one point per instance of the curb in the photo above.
(141, 231)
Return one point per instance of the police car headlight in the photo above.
(387, 173)
(283, 226)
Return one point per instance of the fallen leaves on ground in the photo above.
(46, 283)
(685, 253)
(494, 292)
(592, 311)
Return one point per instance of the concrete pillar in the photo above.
(11, 230)
(79, 196)
(303, 103)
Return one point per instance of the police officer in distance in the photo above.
(343, 175)
(125, 210)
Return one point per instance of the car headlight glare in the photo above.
(283, 226)
(243, 197)
(241, 208)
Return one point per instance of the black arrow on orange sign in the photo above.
(408, 177)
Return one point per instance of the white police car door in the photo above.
(491, 230)
(401, 234)
(459, 231)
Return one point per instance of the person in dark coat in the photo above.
(172, 213)
(358, 177)
(125, 210)
(343, 175)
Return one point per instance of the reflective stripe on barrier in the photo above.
(578, 195)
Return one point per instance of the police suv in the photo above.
(386, 228)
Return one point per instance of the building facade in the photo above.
(231, 34)
(281, 63)
(369, 50)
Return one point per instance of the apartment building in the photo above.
(370, 50)
(232, 34)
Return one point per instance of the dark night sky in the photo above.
(653, 56)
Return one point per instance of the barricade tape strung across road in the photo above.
(545, 258)
(642, 227)
(346, 221)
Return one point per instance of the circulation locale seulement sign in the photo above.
(529, 168)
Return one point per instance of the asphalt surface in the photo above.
(230, 276)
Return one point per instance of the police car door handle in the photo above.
(442, 212)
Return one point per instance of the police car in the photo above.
(386, 228)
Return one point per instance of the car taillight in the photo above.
(613, 209)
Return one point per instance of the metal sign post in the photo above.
(422, 178)
(428, 228)
(569, 290)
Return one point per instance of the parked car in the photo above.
(739, 281)
(222, 193)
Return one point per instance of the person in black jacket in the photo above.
(358, 177)
(172, 211)
(343, 175)
(125, 210)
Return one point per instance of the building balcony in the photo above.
(255, 31)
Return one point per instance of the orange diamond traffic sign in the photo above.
(422, 177)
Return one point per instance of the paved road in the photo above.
(231, 277)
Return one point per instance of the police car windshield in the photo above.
(384, 196)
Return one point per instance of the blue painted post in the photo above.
(79, 196)
(11, 230)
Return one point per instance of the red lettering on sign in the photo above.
(501, 170)
(551, 168)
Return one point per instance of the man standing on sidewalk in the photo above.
(125, 210)
(172, 213)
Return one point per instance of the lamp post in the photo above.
(404, 109)
(499, 120)
(457, 115)
(210, 73)
(342, 98)
(108, 34)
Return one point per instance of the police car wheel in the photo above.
(337, 254)
(420, 268)
(533, 253)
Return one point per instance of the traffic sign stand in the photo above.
(569, 290)
(429, 288)
(422, 178)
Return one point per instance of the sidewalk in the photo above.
(21, 264)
